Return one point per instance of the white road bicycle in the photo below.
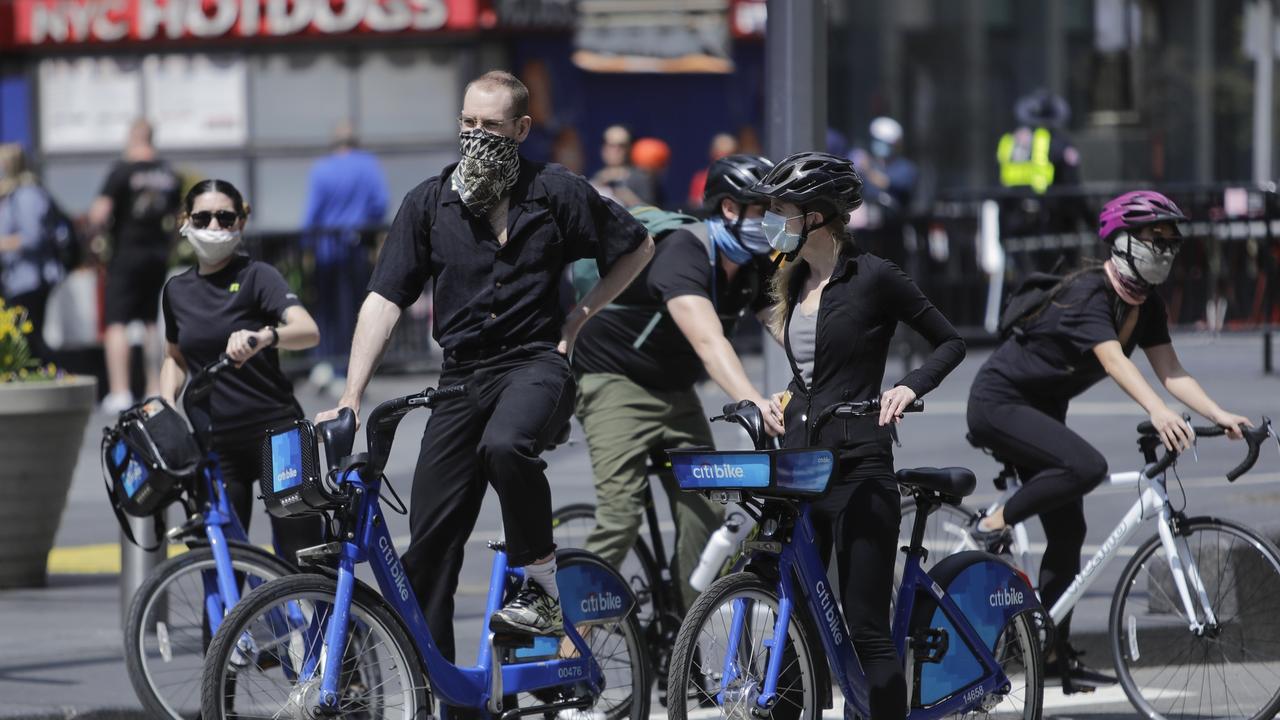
(1194, 626)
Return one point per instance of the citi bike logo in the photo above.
(285, 475)
(600, 602)
(829, 611)
(397, 570)
(1005, 597)
(718, 472)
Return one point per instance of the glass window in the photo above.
(408, 95)
(280, 193)
(75, 183)
(298, 98)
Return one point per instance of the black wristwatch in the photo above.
(275, 335)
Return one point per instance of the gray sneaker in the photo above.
(532, 611)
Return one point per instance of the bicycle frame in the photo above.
(482, 686)
(1152, 503)
(221, 526)
(799, 561)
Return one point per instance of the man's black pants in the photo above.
(515, 405)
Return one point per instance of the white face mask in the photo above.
(211, 246)
(1151, 267)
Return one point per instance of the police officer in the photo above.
(493, 233)
(1038, 154)
(640, 358)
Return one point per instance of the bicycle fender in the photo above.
(591, 592)
(990, 593)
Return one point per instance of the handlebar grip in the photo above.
(447, 393)
(1210, 431)
(1253, 437)
(1163, 463)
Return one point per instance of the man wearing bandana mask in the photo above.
(493, 233)
(1018, 402)
(638, 361)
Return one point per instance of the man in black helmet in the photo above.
(638, 361)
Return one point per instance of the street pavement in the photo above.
(60, 646)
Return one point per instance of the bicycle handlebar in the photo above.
(386, 417)
(1253, 438)
(848, 410)
(201, 382)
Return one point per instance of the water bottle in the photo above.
(721, 545)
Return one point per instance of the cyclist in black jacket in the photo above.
(836, 308)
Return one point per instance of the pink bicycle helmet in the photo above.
(1136, 209)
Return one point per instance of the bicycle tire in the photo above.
(1254, 602)
(236, 646)
(688, 673)
(173, 699)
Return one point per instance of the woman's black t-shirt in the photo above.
(1054, 361)
(201, 312)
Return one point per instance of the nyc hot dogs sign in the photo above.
(69, 22)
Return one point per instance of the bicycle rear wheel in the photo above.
(167, 630)
(261, 661)
(697, 689)
(1229, 670)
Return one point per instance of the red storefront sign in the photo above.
(44, 23)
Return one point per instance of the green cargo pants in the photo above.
(623, 422)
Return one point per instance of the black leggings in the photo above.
(860, 515)
(1058, 469)
(240, 459)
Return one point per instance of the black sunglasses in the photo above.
(226, 218)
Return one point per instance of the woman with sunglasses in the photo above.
(1018, 402)
(231, 304)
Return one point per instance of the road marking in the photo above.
(103, 559)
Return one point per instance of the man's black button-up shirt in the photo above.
(489, 297)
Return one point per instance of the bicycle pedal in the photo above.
(931, 646)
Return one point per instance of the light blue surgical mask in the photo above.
(775, 230)
(751, 234)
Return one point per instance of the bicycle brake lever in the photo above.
(893, 433)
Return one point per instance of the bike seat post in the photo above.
(925, 504)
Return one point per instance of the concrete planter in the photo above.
(41, 431)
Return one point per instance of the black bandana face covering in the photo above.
(489, 168)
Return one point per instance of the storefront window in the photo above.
(298, 98)
(407, 95)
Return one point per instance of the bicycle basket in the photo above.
(292, 483)
(802, 472)
(148, 456)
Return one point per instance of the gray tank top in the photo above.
(804, 340)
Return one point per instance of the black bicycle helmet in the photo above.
(814, 177)
(732, 177)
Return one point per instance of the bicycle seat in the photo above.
(338, 436)
(951, 482)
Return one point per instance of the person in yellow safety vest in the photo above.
(1037, 154)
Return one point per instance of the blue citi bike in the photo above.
(181, 603)
(757, 643)
(361, 654)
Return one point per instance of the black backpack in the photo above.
(1027, 301)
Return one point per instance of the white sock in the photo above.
(545, 575)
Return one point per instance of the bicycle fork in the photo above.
(1186, 575)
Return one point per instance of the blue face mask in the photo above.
(726, 244)
(751, 235)
(774, 227)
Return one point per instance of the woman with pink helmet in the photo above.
(1089, 326)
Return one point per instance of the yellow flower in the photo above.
(27, 327)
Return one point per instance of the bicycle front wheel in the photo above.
(266, 659)
(1228, 669)
(722, 650)
(167, 630)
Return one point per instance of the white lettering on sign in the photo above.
(1005, 597)
(718, 472)
(829, 611)
(286, 474)
(78, 21)
(600, 602)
